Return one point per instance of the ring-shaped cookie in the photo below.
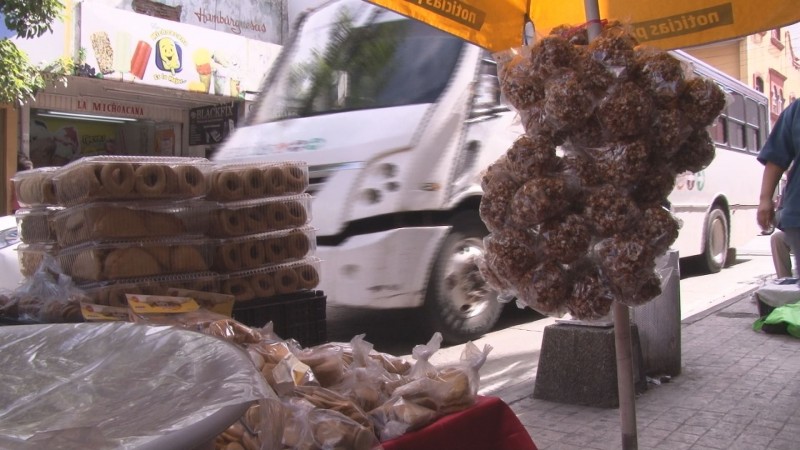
(117, 178)
(275, 250)
(286, 281)
(150, 180)
(82, 184)
(255, 183)
(276, 181)
(297, 213)
(191, 181)
(48, 188)
(297, 245)
(228, 186)
(172, 181)
(278, 216)
(263, 285)
(252, 253)
(231, 222)
(229, 257)
(307, 276)
(256, 219)
(239, 288)
(296, 181)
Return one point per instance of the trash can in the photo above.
(659, 321)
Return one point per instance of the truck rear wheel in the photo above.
(458, 302)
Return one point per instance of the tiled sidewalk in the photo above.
(738, 389)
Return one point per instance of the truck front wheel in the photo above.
(458, 302)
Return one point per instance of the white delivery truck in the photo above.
(396, 121)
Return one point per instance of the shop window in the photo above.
(776, 100)
(758, 84)
(775, 38)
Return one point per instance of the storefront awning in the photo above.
(137, 92)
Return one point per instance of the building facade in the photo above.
(767, 62)
(162, 79)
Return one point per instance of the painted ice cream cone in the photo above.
(202, 62)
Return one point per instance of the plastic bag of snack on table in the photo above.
(179, 388)
(48, 296)
(431, 392)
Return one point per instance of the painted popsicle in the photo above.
(141, 56)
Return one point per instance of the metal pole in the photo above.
(627, 397)
(622, 322)
(592, 17)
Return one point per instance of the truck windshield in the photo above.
(344, 61)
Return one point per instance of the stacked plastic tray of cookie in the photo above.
(36, 196)
(133, 221)
(263, 245)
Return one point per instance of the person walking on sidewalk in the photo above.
(782, 151)
(781, 254)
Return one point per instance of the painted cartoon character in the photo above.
(169, 56)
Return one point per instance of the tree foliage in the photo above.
(19, 79)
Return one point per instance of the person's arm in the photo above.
(766, 205)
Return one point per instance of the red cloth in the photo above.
(488, 425)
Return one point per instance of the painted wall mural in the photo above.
(133, 47)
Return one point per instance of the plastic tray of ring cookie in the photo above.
(270, 281)
(131, 177)
(112, 293)
(115, 260)
(113, 220)
(30, 256)
(258, 250)
(233, 219)
(35, 225)
(35, 187)
(236, 181)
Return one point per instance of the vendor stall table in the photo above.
(120, 385)
(489, 424)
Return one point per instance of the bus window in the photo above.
(736, 108)
(763, 128)
(753, 140)
(736, 118)
(751, 112)
(719, 130)
(737, 135)
(753, 125)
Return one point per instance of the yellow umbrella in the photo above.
(498, 24)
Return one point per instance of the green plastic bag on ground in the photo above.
(787, 316)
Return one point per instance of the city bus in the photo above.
(717, 206)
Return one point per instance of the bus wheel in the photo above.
(715, 252)
(458, 302)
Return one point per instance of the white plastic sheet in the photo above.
(118, 385)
